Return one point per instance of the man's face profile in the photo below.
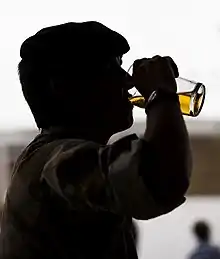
(113, 96)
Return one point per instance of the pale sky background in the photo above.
(188, 31)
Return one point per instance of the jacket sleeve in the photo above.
(144, 188)
(121, 178)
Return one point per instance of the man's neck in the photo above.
(67, 132)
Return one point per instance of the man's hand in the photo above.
(149, 74)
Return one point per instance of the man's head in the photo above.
(201, 230)
(71, 77)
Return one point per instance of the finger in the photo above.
(172, 65)
(156, 57)
(140, 62)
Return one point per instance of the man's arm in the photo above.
(167, 135)
(157, 167)
(167, 175)
(145, 187)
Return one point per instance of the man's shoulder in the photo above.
(66, 154)
(43, 144)
(68, 151)
(68, 147)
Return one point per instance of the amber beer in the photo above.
(191, 103)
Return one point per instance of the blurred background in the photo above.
(189, 32)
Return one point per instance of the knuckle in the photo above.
(157, 57)
(140, 63)
(170, 62)
(136, 63)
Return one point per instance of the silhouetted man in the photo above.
(71, 194)
(205, 249)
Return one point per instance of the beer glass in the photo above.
(191, 96)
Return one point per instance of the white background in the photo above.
(170, 236)
(188, 30)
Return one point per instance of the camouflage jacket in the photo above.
(72, 198)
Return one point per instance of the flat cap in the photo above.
(74, 42)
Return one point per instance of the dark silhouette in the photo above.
(135, 232)
(205, 249)
(71, 194)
